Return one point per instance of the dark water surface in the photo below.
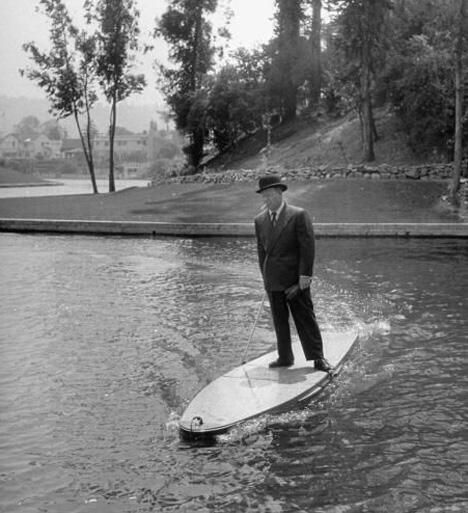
(105, 340)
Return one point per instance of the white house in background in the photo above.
(42, 147)
(11, 146)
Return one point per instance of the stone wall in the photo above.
(382, 171)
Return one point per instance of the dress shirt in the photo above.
(278, 212)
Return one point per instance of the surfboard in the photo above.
(253, 389)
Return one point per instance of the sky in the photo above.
(251, 25)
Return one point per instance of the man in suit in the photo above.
(285, 243)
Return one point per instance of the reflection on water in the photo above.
(105, 340)
(65, 186)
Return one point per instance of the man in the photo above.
(285, 243)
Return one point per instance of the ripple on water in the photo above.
(105, 340)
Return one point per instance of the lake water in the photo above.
(68, 186)
(104, 340)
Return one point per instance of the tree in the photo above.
(362, 26)
(421, 73)
(28, 127)
(117, 45)
(188, 32)
(53, 130)
(66, 73)
(286, 75)
(315, 39)
(166, 116)
(236, 99)
(461, 27)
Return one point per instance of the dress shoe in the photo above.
(281, 363)
(322, 365)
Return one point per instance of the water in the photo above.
(105, 340)
(68, 186)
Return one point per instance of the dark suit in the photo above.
(285, 252)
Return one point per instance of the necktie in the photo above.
(273, 218)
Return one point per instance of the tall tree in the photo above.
(117, 46)
(315, 38)
(186, 28)
(460, 39)
(365, 81)
(288, 21)
(362, 30)
(66, 73)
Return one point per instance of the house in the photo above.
(11, 146)
(40, 146)
(126, 146)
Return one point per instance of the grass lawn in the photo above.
(341, 200)
(10, 176)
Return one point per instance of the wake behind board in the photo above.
(253, 389)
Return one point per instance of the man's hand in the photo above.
(292, 292)
(304, 281)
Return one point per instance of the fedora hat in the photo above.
(266, 182)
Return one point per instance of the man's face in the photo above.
(272, 198)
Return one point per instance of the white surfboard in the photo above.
(253, 389)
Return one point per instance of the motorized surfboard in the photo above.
(253, 389)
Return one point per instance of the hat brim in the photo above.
(282, 186)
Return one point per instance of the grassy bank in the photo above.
(328, 201)
(11, 177)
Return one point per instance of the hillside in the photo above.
(330, 143)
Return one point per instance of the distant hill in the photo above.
(131, 116)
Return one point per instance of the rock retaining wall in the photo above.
(383, 171)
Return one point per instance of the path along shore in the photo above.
(351, 207)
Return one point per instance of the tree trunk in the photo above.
(368, 139)
(288, 41)
(87, 151)
(113, 120)
(367, 131)
(458, 150)
(316, 65)
(197, 144)
(196, 47)
(90, 147)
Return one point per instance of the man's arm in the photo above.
(306, 241)
(260, 248)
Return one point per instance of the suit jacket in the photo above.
(287, 250)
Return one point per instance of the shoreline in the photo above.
(34, 184)
(155, 229)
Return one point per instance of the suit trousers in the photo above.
(302, 310)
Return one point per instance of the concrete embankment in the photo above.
(148, 228)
